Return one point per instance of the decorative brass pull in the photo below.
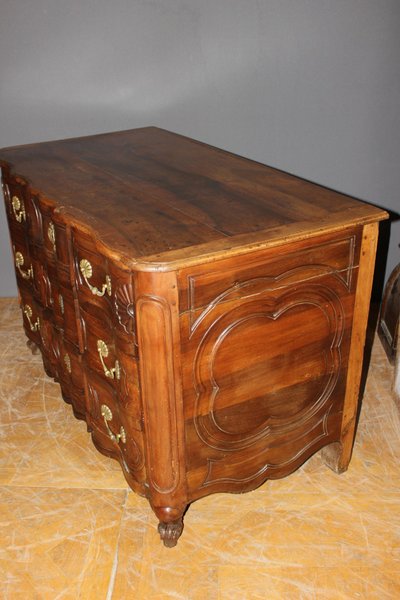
(28, 313)
(61, 303)
(67, 362)
(51, 234)
(18, 209)
(102, 349)
(107, 416)
(19, 262)
(87, 272)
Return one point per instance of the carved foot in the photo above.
(34, 348)
(170, 532)
(332, 456)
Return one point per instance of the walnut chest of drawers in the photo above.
(203, 313)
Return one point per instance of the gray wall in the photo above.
(309, 86)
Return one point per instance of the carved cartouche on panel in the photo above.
(124, 303)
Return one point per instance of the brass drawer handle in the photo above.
(61, 303)
(67, 362)
(18, 209)
(107, 416)
(19, 262)
(51, 234)
(102, 349)
(28, 313)
(87, 272)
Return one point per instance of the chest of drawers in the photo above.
(203, 313)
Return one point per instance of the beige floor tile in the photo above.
(58, 543)
(10, 316)
(147, 571)
(304, 583)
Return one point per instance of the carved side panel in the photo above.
(269, 357)
(227, 337)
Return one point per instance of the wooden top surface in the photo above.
(162, 200)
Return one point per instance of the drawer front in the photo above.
(53, 239)
(109, 358)
(60, 235)
(36, 222)
(105, 291)
(70, 376)
(78, 308)
(39, 242)
(56, 245)
(15, 196)
(65, 315)
(101, 353)
(16, 212)
(24, 267)
(112, 425)
(31, 271)
(32, 316)
(50, 346)
(48, 232)
(22, 209)
(54, 265)
(92, 276)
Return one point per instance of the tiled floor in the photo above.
(70, 527)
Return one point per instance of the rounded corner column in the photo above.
(157, 320)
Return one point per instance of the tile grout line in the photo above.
(111, 584)
(114, 568)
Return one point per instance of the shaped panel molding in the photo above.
(266, 366)
(243, 320)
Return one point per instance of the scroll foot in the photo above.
(34, 348)
(170, 532)
(332, 456)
